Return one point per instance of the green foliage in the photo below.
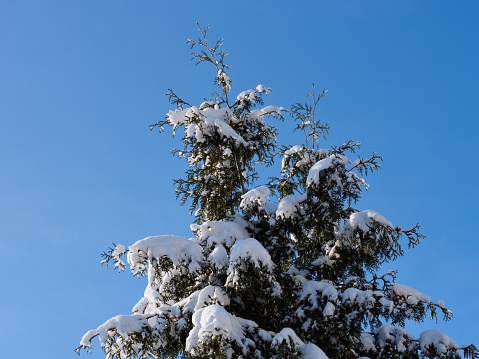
(311, 273)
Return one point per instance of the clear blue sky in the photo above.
(80, 81)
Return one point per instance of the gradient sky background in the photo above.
(80, 81)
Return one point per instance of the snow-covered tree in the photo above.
(288, 269)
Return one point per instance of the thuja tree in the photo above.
(289, 269)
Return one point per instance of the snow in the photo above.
(219, 257)
(251, 250)
(177, 249)
(367, 342)
(292, 341)
(272, 109)
(323, 261)
(142, 304)
(261, 89)
(289, 205)
(362, 220)
(440, 341)
(412, 296)
(223, 78)
(211, 295)
(391, 335)
(188, 304)
(212, 119)
(293, 150)
(298, 151)
(116, 255)
(87, 337)
(387, 304)
(177, 117)
(199, 123)
(318, 167)
(289, 337)
(256, 197)
(214, 320)
(258, 115)
(206, 104)
(124, 325)
(312, 351)
(311, 288)
(249, 95)
(362, 297)
(298, 276)
(265, 335)
(222, 232)
(270, 208)
(326, 296)
(328, 309)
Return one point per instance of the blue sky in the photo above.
(80, 81)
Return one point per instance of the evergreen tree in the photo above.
(289, 269)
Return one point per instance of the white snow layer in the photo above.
(367, 342)
(177, 249)
(222, 232)
(258, 115)
(212, 119)
(250, 250)
(246, 251)
(219, 256)
(289, 205)
(249, 95)
(261, 89)
(211, 295)
(214, 320)
(362, 220)
(124, 325)
(289, 337)
(208, 120)
(314, 291)
(325, 296)
(391, 335)
(298, 151)
(256, 197)
(204, 122)
(312, 351)
(223, 78)
(116, 254)
(293, 150)
(438, 340)
(412, 296)
(314, 172)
